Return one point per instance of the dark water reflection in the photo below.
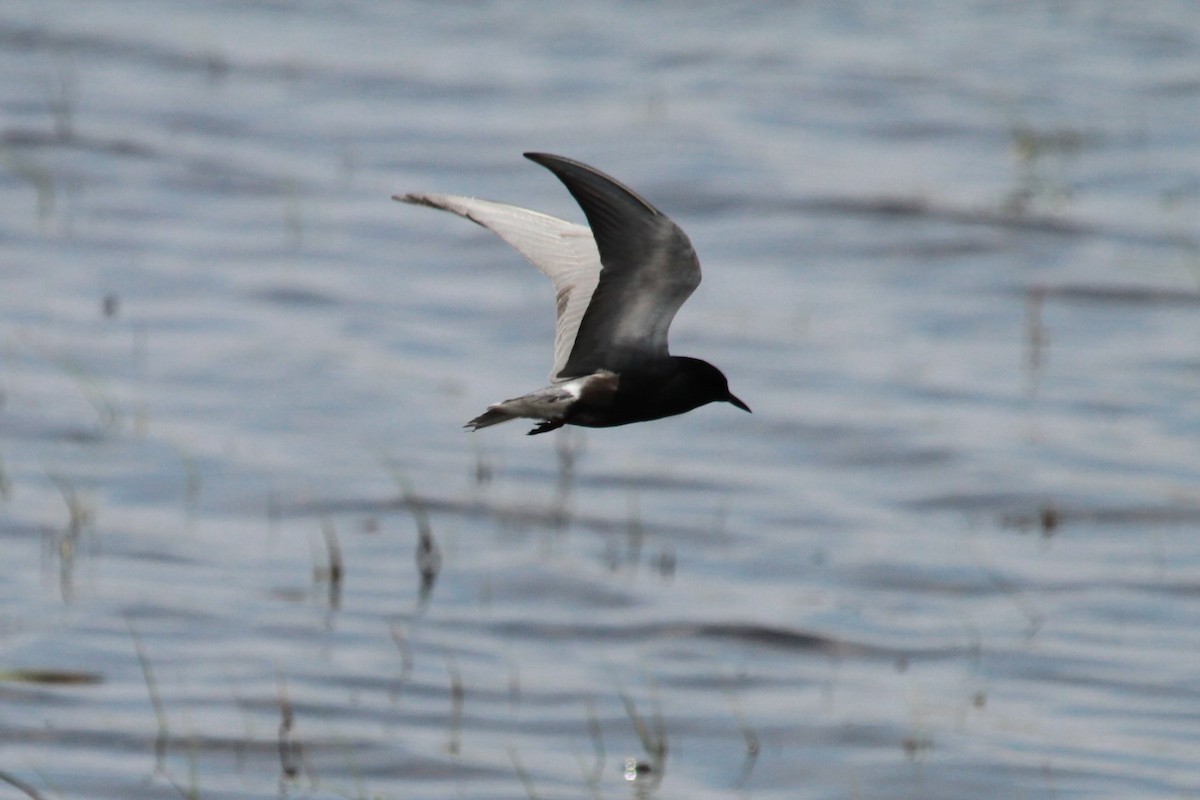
(950, 260)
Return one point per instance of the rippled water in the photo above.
(951, 260)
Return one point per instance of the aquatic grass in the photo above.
(1036, 338)
(652, 735)
(41, 179)
(569, 447)
(428, 555)
(753, 747)
(406, 655)
(355, 770)
(62, 96)
(1174, 202)
(1034, 616)
(193, 482)
(80, 511)
(1192, 257)
(666, 563)
(27, 789)
(62, 100)
(636, 532)
(1041, 158)
(5, 482)
(293, 218)
(108, 412)
(514, 687)
(334, 569)
(484, 472)
(592, 776)
(274, 514)
(217, 66)
(634, 540)
(457, 700)
(240, 746)
(64, 544)
(160, 712)
(192, 790)
(51, 677)
(919, 740)
(290, 750)
(139, 348)
(522, 774)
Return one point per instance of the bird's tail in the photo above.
(548, 406)
(493, 416)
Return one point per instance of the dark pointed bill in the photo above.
(733, 400)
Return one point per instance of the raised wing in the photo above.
(649, 270)
(564, 251)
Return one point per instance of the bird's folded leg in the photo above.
(546, 427)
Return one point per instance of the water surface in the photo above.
(951, 261)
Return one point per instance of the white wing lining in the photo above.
(565, 252)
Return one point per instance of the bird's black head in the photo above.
(709, 383)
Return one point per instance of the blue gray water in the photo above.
(952, 260)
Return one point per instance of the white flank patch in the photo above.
(575, 387)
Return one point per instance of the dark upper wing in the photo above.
(649, 270)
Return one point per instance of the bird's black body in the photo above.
(653, 391)
(618, 286)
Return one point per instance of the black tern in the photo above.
(618, 286)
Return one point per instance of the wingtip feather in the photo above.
(417, 199)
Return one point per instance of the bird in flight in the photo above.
(618, 285)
